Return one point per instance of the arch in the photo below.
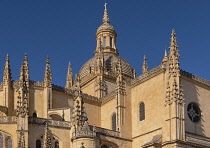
(141, 111)
(38, 143)
(114, 123)
(56, 117)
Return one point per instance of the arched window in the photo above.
(56, 144)
(35, 114)
(104, 41)
(9, 143)
(38, 143)
(141, 111)
(104, 146)
(114, 127)
(1, 140)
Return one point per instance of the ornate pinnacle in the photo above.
(106, 16)
(47, 75)
(7, 72)
(173, 56)
(69, 77)
(144, 66)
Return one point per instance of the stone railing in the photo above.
(36, 83)
(62, 124)
(108, 97)
(151, 73)
(198, 140)
(8, 119)
(105, 132)
(193, 77)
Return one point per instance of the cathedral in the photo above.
(107, 105)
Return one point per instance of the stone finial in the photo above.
(7, 77)
(106, 16)
(69, 81)
(145, 65)
(47, 136)
(47, 74)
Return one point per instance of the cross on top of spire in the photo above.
(105, 5)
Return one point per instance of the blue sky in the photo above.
(65, 31)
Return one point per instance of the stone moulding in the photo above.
(105, 132)
(194, 77)
(196, 139)
(147, 75)
(53, 123)
(8, 119)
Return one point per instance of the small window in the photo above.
(56, 144)
(38, 143)
(104, 146)
(35, 114)
(111, 42)
(114, 127)
(141, 111)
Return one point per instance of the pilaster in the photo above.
(174, 95)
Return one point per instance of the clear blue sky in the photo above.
(65, 31)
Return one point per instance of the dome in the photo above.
(105, 27)
(110, 62)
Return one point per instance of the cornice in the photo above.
(194, 78)
(147, 75)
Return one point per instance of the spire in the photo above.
(106, 16)
(69, 81)
(24, 71)
(144, 66)
(7, 72)
(47, 74)
(173, 55)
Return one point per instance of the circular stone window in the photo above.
(193, 112)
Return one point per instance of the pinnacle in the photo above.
(106, 16)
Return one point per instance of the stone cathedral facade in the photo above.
(107, 105)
